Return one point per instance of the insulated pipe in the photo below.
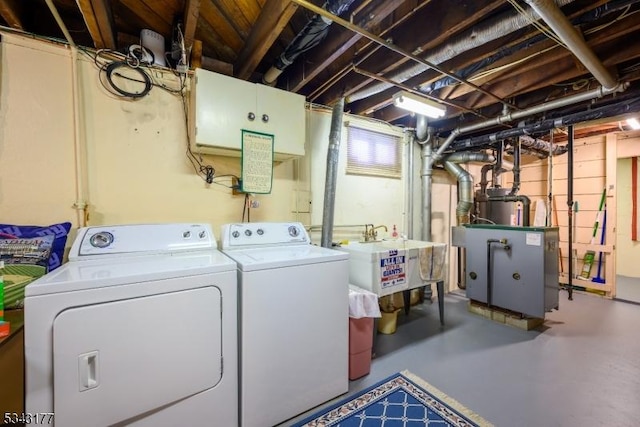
(526, 205)
(332, 174)
(553, 16)
(309, 37)
(498, 165)
(585, 96)
(543, 147)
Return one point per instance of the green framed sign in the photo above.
(257, 162)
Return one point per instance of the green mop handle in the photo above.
(597, 223)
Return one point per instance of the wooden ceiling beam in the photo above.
(98, 18)
(190, 17)
(12, 11)
(152, 18)
(274, 17)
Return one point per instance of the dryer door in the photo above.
(117, 360)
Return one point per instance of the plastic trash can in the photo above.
(363, 308)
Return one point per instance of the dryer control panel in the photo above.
(259, 234)
(141, 239)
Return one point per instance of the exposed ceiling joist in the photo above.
(190, 16)
(12, 12)
(274, 17)
(335, 46)
(98, 17)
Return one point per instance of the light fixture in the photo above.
(418, 105)
(633, 123)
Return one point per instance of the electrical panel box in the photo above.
(521, 276)
(222, 107)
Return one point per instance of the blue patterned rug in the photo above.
(400, 400)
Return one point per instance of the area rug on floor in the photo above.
(403, 399)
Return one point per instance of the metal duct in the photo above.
(422, 131)
(465, 196)
(426, 174)
(465, 180)
(553, 16)
(308, 38)
(479, 35)
(332, 174)
(410, 184)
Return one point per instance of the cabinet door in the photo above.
(284, 118)
(222, 108)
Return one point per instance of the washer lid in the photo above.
(101, 273)
(282, 256)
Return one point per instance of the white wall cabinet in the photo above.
(224, 106)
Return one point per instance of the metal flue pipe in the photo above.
(332, 174)
(553, 16)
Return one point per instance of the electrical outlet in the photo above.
(236, 186)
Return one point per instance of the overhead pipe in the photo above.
(333, 153)
(479, 35)
(309, 37)
(553, 16)
(509, 117)
(479, 142)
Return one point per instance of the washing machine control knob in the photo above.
(186, 234)
(247, 233)
(101, 239)
(293, 231)
(235, 234)
(260, 231)
(202, 234)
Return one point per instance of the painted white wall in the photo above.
(136, 167)
(359, 199)
(628, 251)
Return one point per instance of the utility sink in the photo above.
(388, 266)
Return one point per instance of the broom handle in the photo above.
(597, 223)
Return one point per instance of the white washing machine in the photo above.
(138, 328)
(294, 320)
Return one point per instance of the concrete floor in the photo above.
(628, 288)
(581, 368)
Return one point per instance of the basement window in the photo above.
(373, 153)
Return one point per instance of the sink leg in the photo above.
(406, 296)
(440, 286)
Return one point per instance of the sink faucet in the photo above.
(375, 233)
(369, 234)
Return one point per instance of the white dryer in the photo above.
(294, 320)
(138, 328)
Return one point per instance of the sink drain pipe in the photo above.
(332, 174)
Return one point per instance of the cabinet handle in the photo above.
(251, 116)
(265, 118)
